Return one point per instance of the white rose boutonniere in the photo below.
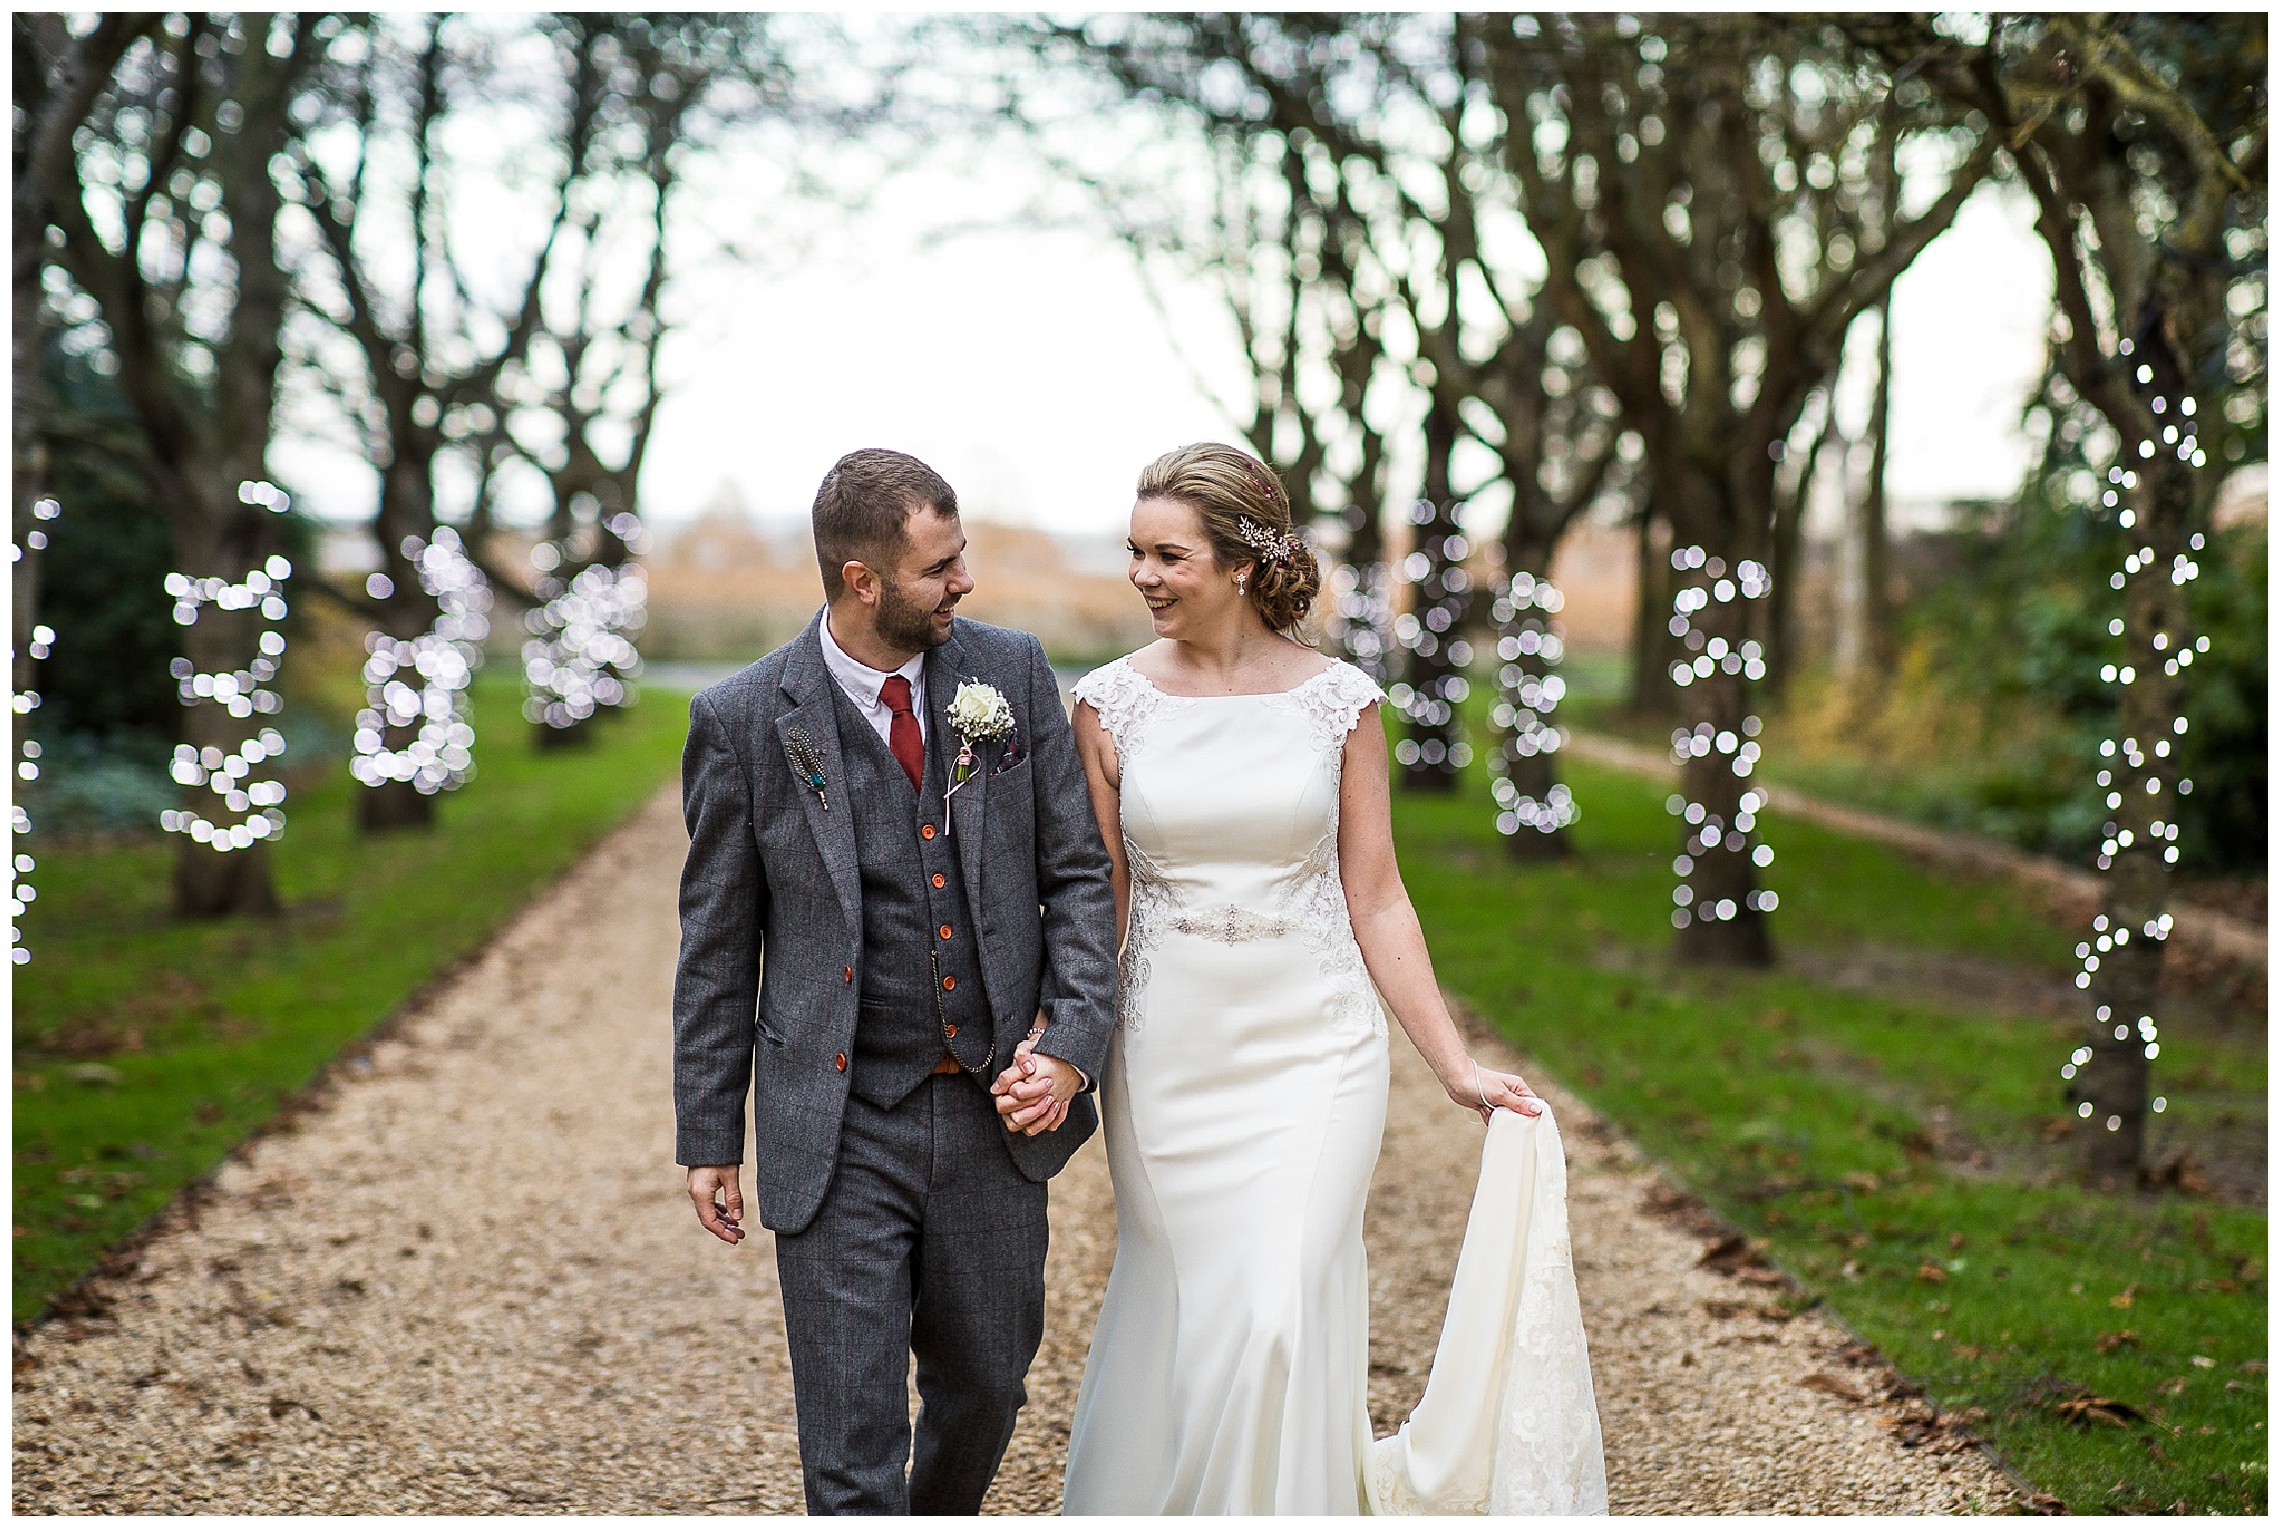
(978, 714)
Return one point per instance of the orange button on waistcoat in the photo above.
(949, 983)
(846, 973)
(926, 830)
(945, 930)
(840, 1061)
(937, 880)
(950, 1030)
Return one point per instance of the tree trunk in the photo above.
(393, 804)
(1721, 919)
(237, 884)
(578, 734)
(1431, 630)
(1875, 529)
(1359, 617)
(2142, 778)
(1783, 657)
(228, 544)
(1652, 649)
(407, 612)
(1534, 808)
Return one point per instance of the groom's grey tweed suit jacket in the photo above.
(772, 870)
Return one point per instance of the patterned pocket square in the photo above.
(1013, 753)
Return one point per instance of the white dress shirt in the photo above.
(863, 683)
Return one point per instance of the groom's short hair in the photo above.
(864, 507)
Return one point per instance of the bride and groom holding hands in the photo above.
(937, 932)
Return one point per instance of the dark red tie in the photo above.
(902, 733)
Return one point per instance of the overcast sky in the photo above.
(1034, 372)
(1032, 369)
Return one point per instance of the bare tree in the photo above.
(166, 216)
(1256, 208)
(586, 398)
(434, 353)
(1729, 232)
(2143, 140)
(58, 78)
(1382, 194)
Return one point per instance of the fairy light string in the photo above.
(1361, 617)
(2131, 770)
(1436, 655)
(416, 727)
(246, 809)
(581, 655)
(1529, 646)
(21, 892)
(1704, 581)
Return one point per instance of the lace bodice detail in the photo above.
(1331, 703)
(1126, 700)
(1230, 824)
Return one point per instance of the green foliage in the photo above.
(1868, 1129)
(147, 1048)
(101, 577)
(1992, 719)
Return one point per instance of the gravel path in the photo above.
(467, 1281)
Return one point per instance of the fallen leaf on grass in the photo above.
(2202, 1361)
(1932, 1273)
(1831, 1384)
(2043, 1504)
(2125, 1299)
(2181, 1172)
(2110, 1342)
(2087, 1408)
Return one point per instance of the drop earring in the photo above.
(1241, 583)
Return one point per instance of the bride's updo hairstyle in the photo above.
(1246, 515)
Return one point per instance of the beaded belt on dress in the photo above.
(1230, 924)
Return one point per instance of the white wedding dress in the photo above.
(1243, 1105)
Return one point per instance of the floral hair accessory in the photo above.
(1269, 546)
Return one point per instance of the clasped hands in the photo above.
(1034, 1092)
(1033, 1095)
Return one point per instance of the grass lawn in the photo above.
(1889, 1144)
(146, 1048)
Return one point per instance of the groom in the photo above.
(932, 899)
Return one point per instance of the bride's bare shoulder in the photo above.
(1151, 663)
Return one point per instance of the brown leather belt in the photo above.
(947, 1067)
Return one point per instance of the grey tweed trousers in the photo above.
(929, 1242)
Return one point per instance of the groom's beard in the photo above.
(905, 623)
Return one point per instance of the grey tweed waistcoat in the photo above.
(918, 984)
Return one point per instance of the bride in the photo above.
(1241, 784)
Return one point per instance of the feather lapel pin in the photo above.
(807, 762)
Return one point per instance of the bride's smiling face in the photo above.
(1175, 570)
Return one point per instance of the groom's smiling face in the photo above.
(918, 597)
